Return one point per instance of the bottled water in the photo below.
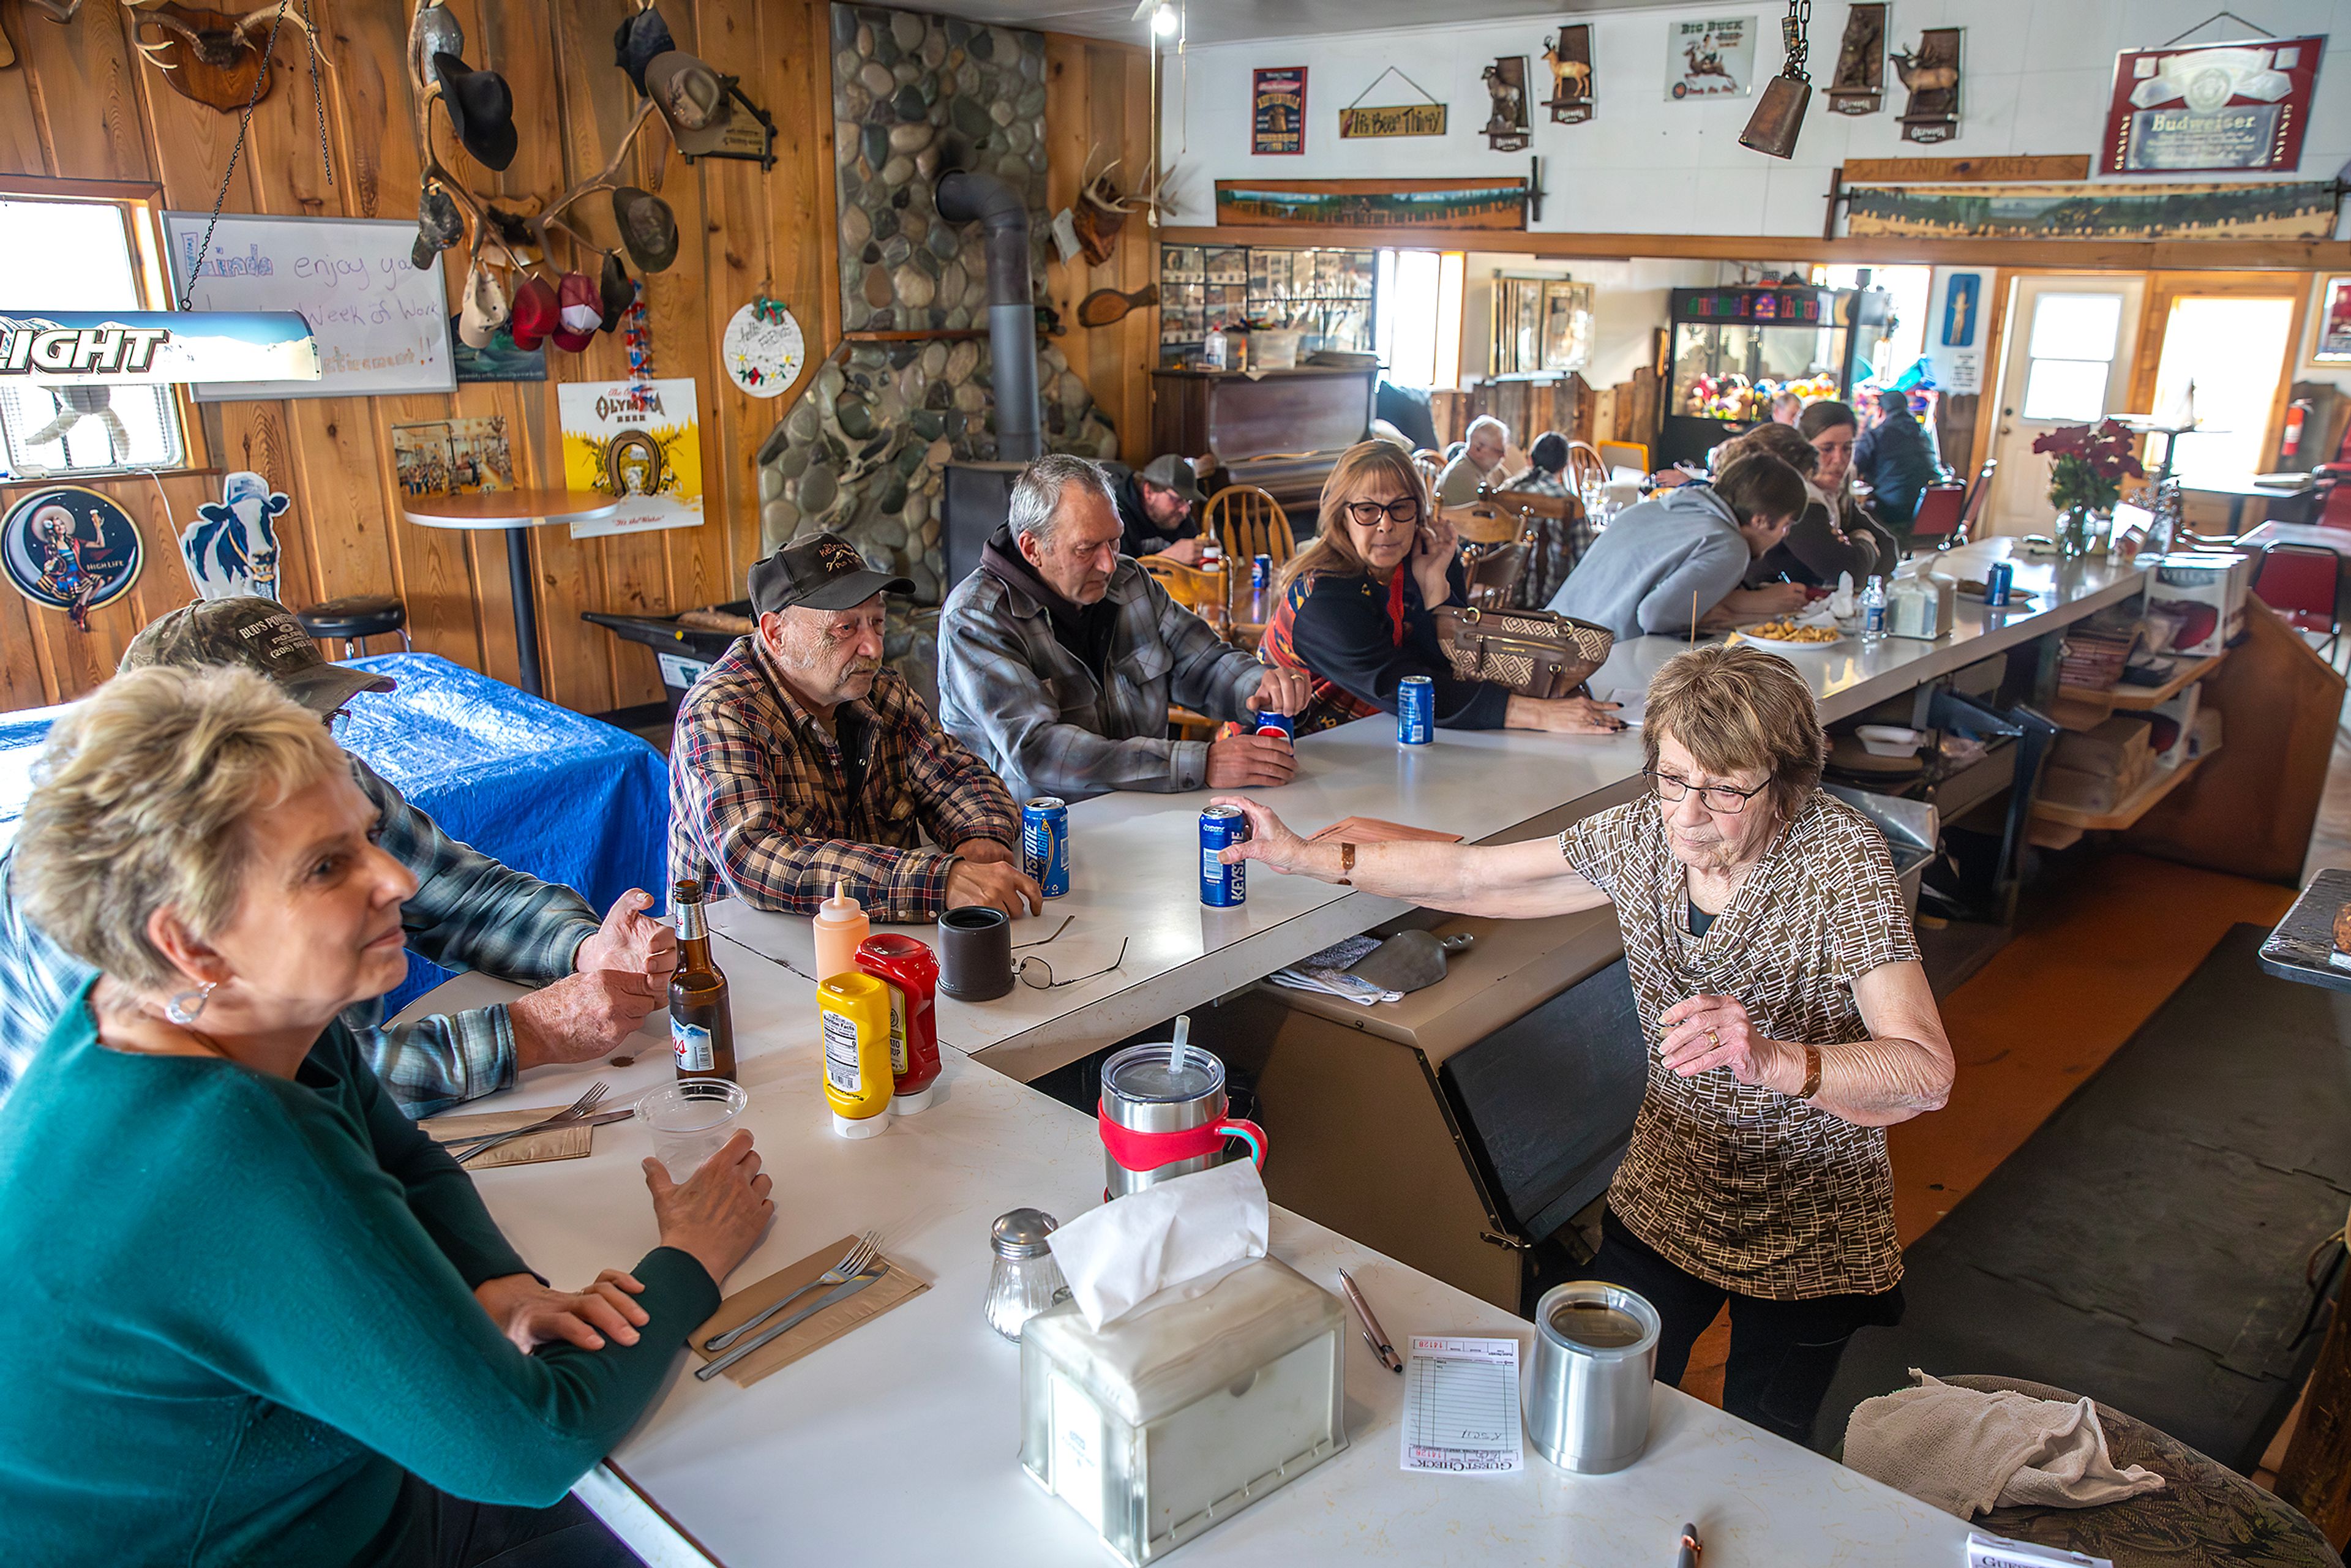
(1873, 610)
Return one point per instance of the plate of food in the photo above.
(1974, 588)
(1785, 632)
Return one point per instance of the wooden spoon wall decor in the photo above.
(1106, 306)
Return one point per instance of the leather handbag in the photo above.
(1533, 653)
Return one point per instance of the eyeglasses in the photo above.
(1720, 798)
(1023, 965)
(1403, 512)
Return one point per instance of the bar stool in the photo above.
(355, 620)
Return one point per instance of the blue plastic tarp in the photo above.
(564, 797)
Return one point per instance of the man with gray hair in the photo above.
(1058, 659)
(1489, 441)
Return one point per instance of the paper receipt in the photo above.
(1461, 1406)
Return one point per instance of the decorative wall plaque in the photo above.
(1859, 86)
(1568, 57)
(1278, 109)
(1426, 119)
(1932, 75)
(2212, 108)
(1506, 85)
(1710, 56)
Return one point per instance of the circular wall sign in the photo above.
(762, 349)
(71, 548)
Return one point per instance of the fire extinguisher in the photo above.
(2290, 444)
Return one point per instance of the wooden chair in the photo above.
(1489, 520)
(1248, 522)
(1542, 524)
(1197, 590)
(1973, 510)
(1431, 465)
(1630, 455)
(1493, 574)
(1585, 467)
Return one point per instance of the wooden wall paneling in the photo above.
(1139, 349)
(430, 565)
(337, 453)
(81, 77)
(370, 115)
(21, 147)
(281, 145)
(796, 39)
(22, 682)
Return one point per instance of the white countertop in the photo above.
(1133, 871)
(899, 1442)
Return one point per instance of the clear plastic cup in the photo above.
(690, 1119)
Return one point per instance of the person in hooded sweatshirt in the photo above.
(1684, 551)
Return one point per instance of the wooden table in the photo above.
(516, 511)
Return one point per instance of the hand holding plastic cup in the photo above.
(690, 1119)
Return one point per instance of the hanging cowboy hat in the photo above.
(481, 107)
(616, 290)
(648, 228)
(638, 41)
(692, 97)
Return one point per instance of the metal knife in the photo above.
(840, 1292)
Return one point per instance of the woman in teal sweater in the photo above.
(259, 1317)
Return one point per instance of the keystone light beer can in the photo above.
(1045, 843)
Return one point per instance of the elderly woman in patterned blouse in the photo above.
(1778, 979)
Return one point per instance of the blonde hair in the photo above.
(142, 799)
(1734, 708)
(1333, 549)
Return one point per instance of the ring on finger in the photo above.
(1715, 1038)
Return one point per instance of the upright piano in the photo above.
(1280, 431)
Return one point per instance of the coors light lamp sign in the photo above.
(2211, 108)
(155, 348)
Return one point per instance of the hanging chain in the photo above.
(319, 100)
(1793, 30)
(260, 81)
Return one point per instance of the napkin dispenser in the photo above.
(1175, 1417)
(1921, 603)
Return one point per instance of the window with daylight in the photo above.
(1417, 334)
(82, 256)
(2071, 356)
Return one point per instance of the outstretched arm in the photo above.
(1511, 882)
(1904, 1069)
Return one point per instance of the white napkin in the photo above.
(1119, 1256)
(1967, 1452)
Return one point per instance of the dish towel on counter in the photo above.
(1966, 1452)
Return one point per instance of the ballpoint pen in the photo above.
(1690, 1549)
(1373, 1335)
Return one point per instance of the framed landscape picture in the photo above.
(2330, 338)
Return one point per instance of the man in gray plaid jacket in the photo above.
(1058, 659)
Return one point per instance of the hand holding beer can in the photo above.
(1222, 886)
(1045, 843)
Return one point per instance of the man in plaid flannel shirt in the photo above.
(469, 912)
(801, 760)
(1058, 659)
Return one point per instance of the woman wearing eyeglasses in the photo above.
(1352, 610)
(1778, 980)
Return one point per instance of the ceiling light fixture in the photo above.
(1165, 21)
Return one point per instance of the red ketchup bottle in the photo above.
(912, 972)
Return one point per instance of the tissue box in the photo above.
(1162, 1423)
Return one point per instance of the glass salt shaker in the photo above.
(1026, 1280)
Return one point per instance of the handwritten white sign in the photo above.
(382, 326)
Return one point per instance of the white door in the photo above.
(2067, 361)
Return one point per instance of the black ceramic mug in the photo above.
(975, 953)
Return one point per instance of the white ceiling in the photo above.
(1238, 21)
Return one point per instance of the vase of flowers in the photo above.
(2087, 465)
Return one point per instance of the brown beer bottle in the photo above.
(701, 1023)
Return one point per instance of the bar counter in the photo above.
(899, 1442)
(1135, 856)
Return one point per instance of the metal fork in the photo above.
(572, 1112)
(852, 1261)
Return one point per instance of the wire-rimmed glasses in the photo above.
(1722, 800)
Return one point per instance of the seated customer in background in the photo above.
(801, 760)
(1058, 658)
(1817, 547)
(1353, 609)
(1894, 459)
(468, 911)
(1154, 508)
(1546, 475)
(1684, 552)
(260, 1318)
(1489, 441)
(1829, 426)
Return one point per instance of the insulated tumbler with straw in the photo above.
(1162, 1115)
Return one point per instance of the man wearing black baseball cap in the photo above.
(1155, 505)
(801, 762)
(469, 912)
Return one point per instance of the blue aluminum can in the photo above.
(1222, 886)
(1415, 711)
(1271, 723)
(1998, 582)
(1045, 843)
(1261, 572)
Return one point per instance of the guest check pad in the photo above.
(1461, 1406)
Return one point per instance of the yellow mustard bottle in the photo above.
(853, 1017)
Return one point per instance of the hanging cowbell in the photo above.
(1771, 130)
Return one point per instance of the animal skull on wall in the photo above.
(210, 56)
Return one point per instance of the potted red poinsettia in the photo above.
(2087, 465)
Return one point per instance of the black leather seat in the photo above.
(355, 620)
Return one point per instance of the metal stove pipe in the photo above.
(964, 197)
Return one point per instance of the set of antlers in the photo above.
(216, 46)
(1098, 192)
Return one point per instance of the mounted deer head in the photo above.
(1101, 211)
(210, 56)
(1919, 77)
